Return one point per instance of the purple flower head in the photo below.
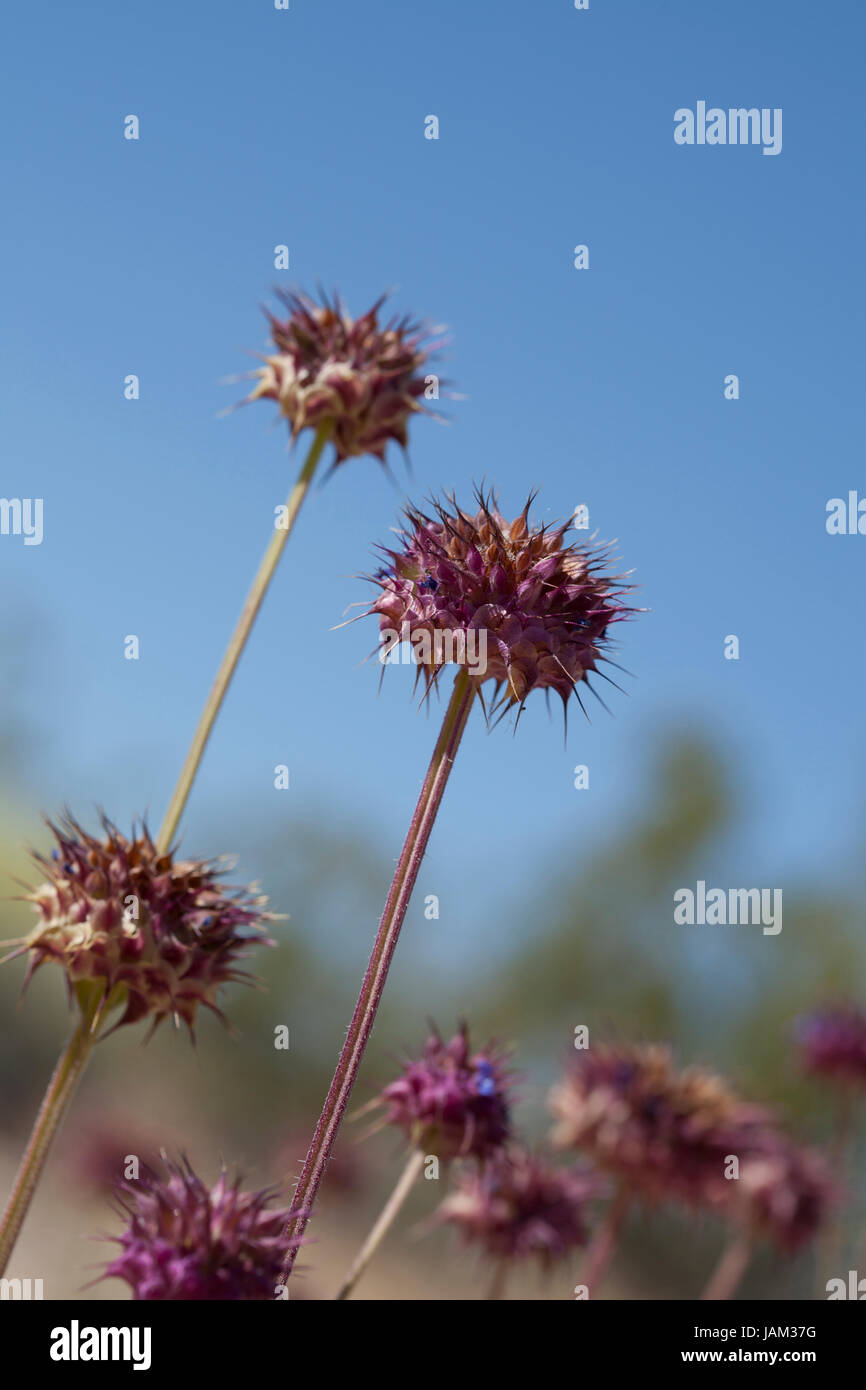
(833, 1044)
(517, 1206)
(158, 934)
(784, 1192)
(364, 379)
(450, 1101)
(663, 1132)
(513, 602)
(186, 1242)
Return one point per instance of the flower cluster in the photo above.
(784, 1192)
(525, 606)
(362, 379)
(519, 1206)
(186, 1242)
(544, 606)
(450, 1101)
(156, 934)
(833, 1044)
(671, 1135)
(664, 1132)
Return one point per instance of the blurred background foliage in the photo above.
(592, 942)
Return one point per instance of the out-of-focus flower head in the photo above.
(186, 1242)
(362, 378)
(518, 1206)
(148, 932)
(784, 1192)
(833, 1044)
(663, 1132)
(451, 1101)
(511, 601)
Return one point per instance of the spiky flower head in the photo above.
(364, 379)
(664, 1132)
(451, 1101)
(186, 1242)
(784, 1192)
(833, 1044)
(514, 602)
(518, 1206)
(151, 933)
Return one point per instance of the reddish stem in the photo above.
(606, 1240)
(396, 904)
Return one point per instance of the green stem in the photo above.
(364, 1017)
(55, 1103)
(239, 639)
(72, 1062)
(384, 1223)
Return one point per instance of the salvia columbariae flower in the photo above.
(187, 1242)
(784, 1192)
(365, 379)
(513, 602)
(451, 1101)
(518, 1206)
(663, 1132)
(157, 935)
(833, 1044)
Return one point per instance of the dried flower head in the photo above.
(186, 1242)
(511, 601)
(833, 1044)
(517, 1206)
(664, 1132)
(363, 379)
(784, 1192)
(154, 933)
(450, 1101)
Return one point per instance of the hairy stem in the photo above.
(386, 1219)
(55, 1103)
(396, 904)
(238, 641)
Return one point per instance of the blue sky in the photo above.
(602, 386)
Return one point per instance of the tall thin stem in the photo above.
(396, 904)
(831, 1243)
(239, 638)
(728, 1273)
(73, 1060)
(55, 1103)
(605, 1242)
(386, 1219)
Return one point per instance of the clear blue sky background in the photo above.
(306, 127)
